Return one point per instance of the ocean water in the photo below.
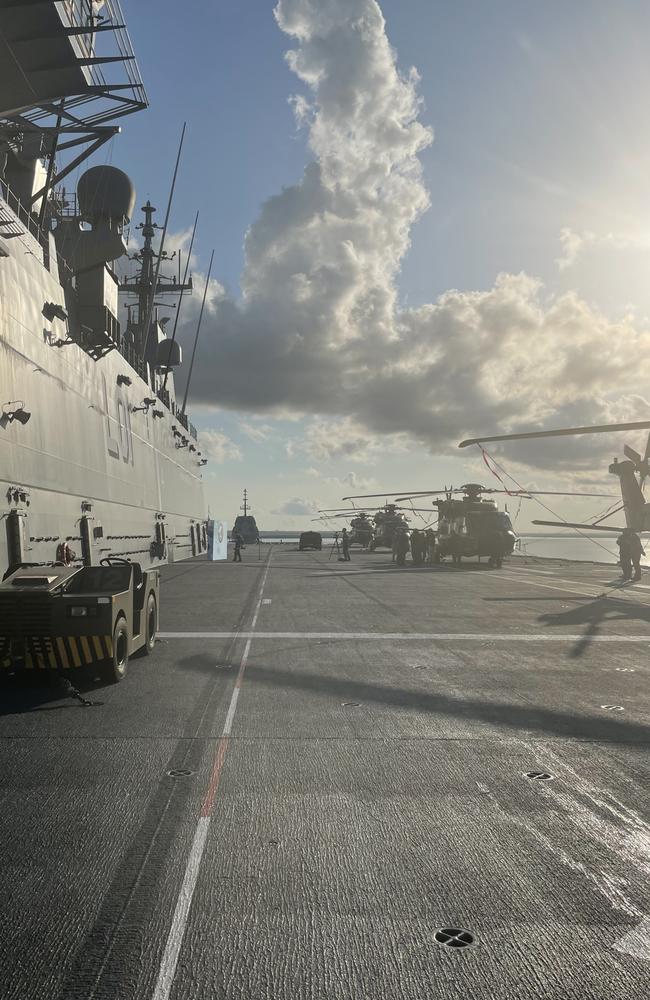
(600, 548)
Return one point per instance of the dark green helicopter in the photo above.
(373, 532)
(469, 526)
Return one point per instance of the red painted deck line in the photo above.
(215, 777)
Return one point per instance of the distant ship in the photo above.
(97, 458)
(245, 524)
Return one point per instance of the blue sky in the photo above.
(539, 165)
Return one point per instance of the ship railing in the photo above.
(165, 397)
(23, 217)
(81, 14)
(181, 417)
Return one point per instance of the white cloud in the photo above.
(351, 480)
(319, 331)
(219, 447)
(297, 507)
(256, 432)
(575, 245)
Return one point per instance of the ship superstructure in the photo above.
(96, 457)
(245, 524)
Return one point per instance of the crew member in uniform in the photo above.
(631, 551)
(401, 546)
(430, 537)
(239, 543)
(345, 545)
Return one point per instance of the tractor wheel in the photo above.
(114, 669)
(150, 624)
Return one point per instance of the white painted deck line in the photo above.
(167, 970)
(411, 636)
(179, 920)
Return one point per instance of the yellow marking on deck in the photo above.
(75, 652)
(63, 653)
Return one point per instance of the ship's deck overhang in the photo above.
(67, 74)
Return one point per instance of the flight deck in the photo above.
(343, 781)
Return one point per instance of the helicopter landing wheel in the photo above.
(495, 562)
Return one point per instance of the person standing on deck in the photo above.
(430, 537)
(636, 551)
(239, 541)
(631, 551)
(417, 547)
(345, 545)
(402, 547)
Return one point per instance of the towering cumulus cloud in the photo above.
(319, 331)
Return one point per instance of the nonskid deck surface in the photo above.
(348, 747)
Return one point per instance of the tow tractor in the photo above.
(59, 617)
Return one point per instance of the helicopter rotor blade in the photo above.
(552, 493)
(574, 524)
(387, 493)
(633, 455)
(645, 468)
(560, 432)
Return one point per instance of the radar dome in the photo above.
(105, 193)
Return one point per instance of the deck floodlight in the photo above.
(14, 410)
(146, 403)
(157, 413)
(123, 380)
(202, 461)
(52, 310)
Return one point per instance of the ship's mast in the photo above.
(244, 506)
(142, 285)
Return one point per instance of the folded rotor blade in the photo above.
(561, 432)
(631, 454)
(572, 524)
(551, 493)
(386, 493)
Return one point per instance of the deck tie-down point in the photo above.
(454, 937)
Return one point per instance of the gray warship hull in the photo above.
(96, 459)
(84, 453)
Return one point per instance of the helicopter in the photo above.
(470, 526)
(635, 509)
(361, 527)
(378, 531)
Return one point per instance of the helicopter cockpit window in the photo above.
(494, 520)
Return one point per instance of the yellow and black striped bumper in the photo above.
(56, 652)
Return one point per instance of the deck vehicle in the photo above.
(310, 540)
(58, 617)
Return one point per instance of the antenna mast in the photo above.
(198, 330)
(244, 506)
